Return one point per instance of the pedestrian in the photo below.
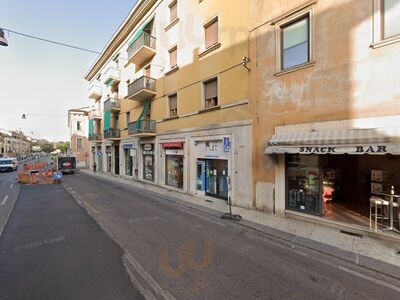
(94, 167)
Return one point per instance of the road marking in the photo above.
(4, 200)
(374, 280)
(11, 186)
(92, 208)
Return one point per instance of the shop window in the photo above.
(174, 171)
(211, 33)
(173, 57)
(211, 93)
(295, 42)
(173, 11)
(173, 105)
(303, 184)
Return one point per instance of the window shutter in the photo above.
(173, 57)
(173, 11)
(211, 89)
(211, 32)
(173, 102)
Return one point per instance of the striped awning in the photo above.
(337, 141)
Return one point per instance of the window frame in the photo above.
(378, 39)
(172, 4)
(207, 24)
(79, 141)
(169, 105)
(172, 49)
(203, 98)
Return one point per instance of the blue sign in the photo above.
(127, 146)
(227, 144)
(99, 153)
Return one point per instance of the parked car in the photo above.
(8, 164)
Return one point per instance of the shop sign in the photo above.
(148, 147)
(127, 146)
(227, 144)
(356, 149)
(99, 153)
(172, 145)
(213, 149)
(173, 152)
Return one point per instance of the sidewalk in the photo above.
(370, 252)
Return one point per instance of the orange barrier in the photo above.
(37, 173)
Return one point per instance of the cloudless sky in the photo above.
(41, 78)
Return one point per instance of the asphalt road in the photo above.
(8, 194)
(51, 249)
(179, 252)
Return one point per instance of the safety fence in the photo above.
(39, 173)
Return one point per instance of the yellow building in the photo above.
(171, 92)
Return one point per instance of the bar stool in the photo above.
(380, 204)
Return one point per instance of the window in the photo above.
(295, 43)
(211, 33)
(173, 11)
(211, 93)
(79, 125)
(173, 57)
(79, 143)
(173, 105)
(128, 118)
(390, 24)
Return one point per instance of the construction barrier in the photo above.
(39, 173)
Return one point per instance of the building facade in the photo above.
(15, 144)
(171, 99)
(78, 124)
(325, 96)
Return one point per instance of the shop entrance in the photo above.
(339, 187)
(212, 177)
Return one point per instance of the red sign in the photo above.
(172, 145)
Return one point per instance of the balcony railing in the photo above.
(112, 74)
(94, 92)
(95, 137)
(95, 114)
(112, 133)
(142, 49)
(142, 127)
(142, 89)
(112, 104)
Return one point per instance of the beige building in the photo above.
(78, 123)
(172, 100)
(325, 96)
(15, 144)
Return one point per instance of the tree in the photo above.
(63, 146)
(44, 145)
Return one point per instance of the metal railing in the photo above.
(95, 114)
(95, 137)
(112, 103)
(143, 83)
(144, 39)
(112, 133)
(143, 126)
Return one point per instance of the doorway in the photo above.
(212, 175)
(116, 159)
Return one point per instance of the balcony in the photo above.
(112, 134)
(95, 137)
(142, 89)
(94, 92)
(113, 105)
(112, 75)
(142, 49)
(142, 128)
(95, 114)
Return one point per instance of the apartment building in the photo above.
(78, 124)
(14, 144)
(171, 99)
(325, 96)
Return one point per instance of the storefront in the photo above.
(108, 159)
(334, 172)
(127, 152)
(212, 167)
(148, 161)
(174, 167)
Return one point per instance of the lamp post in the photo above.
(3, 40)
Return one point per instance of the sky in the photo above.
(44, 80)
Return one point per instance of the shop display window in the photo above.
(174, 171)
(148, 167)
(303, 184)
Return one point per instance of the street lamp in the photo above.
(3, 40)
(23, 117)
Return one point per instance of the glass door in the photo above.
(216, 178)
(201, 177)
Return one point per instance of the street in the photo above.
(52, 249)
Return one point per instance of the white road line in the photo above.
(11, 186)
(4, 200)
(377, 281)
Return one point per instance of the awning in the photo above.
(139, 32)
(337, 141)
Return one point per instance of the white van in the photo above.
(8, 164)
